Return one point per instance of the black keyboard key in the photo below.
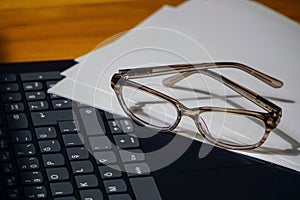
(57, 174)
(35, 192)
(32, 86)
(11, 97)
(31, 178)
(27, 149)
(36, 95)
(28, 163)
(8, 169)
(3, 145)
(93, 194)
(45, 133)
(93, 124)
(10, 181)
(110, 171)
(49, 146)
(82, 167)
(100, 143)
(38, 105)
(72, 140)
(35, 76)
(2, 133)
(119, 197)
(106, 157)
(5, 156)
(51, 117)
(17, 121)
(77, 153)
(14, 194)
(86, 181)
(53, 160)
(126, 141)
(61, 103)
(50, 84)
(7, 78)
(54, 96)
(137, 169)
(21, 136)
(67, 126)
(114, 127)
(145, 188)
(14, 107)
(126, 125)
(11, 87)
(43, 118)
(115, 186)
(63, 188)
(132, 155)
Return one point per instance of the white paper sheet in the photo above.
(232, 30)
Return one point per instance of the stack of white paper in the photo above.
(204, 31)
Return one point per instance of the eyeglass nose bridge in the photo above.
(194, 114)
(190, 112)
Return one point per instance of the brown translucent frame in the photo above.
(271, 118)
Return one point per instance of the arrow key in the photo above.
(126, 141)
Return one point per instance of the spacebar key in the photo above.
(51, 117)
(145, 188)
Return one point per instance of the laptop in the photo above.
(50, 150)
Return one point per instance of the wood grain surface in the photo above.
(32, 30)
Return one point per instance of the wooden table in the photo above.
(32, 30)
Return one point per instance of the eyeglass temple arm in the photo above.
(273, 82)
(247, 93)
(186, 70)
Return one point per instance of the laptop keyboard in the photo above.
(53, 148)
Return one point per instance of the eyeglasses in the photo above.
(225, 127)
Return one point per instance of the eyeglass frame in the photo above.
(271, 119)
